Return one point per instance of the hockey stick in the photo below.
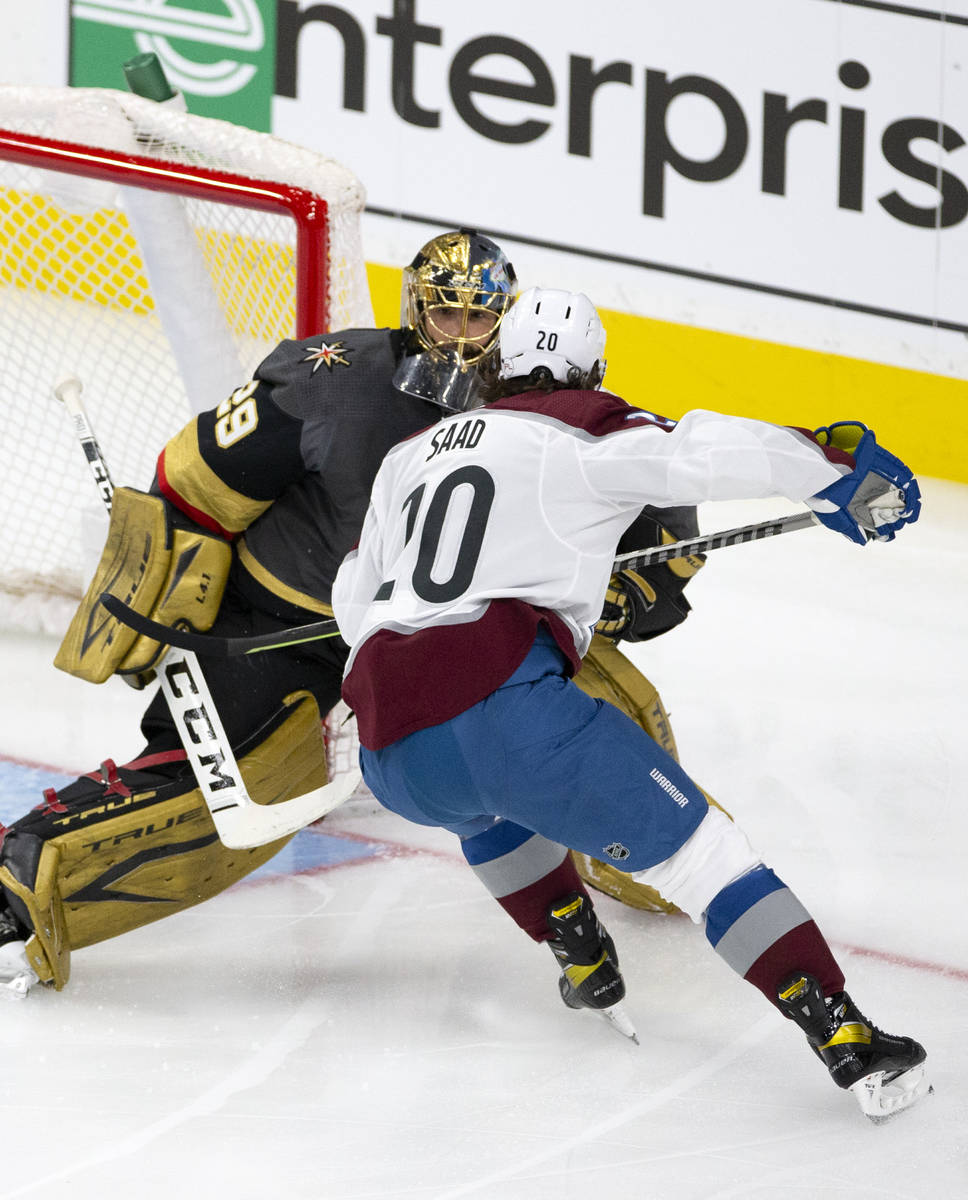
(212, 645)
(715, 541)
(229, 647)
(240, 822)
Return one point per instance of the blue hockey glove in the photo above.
(876, 498)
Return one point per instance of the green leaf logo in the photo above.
(219, 53)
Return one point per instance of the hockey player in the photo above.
(254, 505)
(480, 572)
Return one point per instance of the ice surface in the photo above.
(361, 1020)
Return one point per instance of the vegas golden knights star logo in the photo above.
(328, 354)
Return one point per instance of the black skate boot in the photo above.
(9, 929)
(590, 977)
(885, 1073)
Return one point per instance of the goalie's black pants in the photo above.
(249, 688)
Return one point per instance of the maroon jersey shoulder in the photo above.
(595, 413)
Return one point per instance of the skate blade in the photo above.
(619, 1021)
(881, 1099)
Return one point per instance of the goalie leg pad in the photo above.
(28, 879)
(607, 674)
(112, 853)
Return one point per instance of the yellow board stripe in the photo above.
(672, 368)
(94, 257)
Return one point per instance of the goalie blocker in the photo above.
(162, 568)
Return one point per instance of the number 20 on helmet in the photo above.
(554, 334)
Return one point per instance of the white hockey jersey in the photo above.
(496, 520)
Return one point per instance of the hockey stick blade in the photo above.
(715, 541)
(212, 645)
(256, 824)
(240, 822)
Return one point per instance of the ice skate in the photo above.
(885, 1073)
(17, 976)
(590, 977)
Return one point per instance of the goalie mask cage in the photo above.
(158, 256)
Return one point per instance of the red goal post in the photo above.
(309, 212)
(159, 256)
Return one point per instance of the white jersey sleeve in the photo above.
(527, 502)
(707, 456)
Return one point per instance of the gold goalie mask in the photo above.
(455, 295)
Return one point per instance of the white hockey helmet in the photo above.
(558, 331)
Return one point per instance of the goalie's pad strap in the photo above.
(114, 865)
(163, 573)
(608, 675)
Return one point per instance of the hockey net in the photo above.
(160, 291)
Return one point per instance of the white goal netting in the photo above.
(160, 303)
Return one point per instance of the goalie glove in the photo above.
(165, 567)
(628, 599)
(647, 602)
(877, 498)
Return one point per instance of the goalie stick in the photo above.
(240, 822)
(211, 644)
(228, 647)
